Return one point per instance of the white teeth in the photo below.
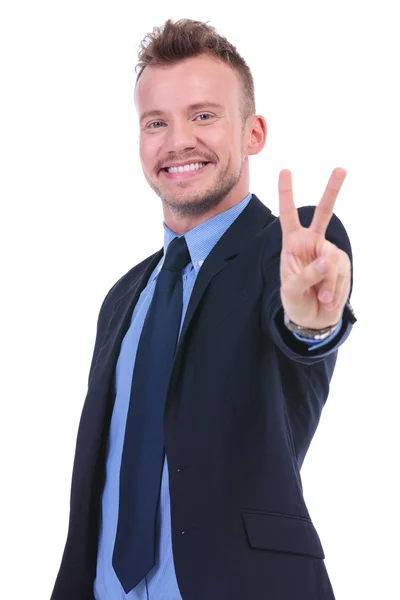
(192, 167)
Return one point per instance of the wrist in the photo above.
(308, 332)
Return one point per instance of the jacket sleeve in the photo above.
(272, 309)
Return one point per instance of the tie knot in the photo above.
(177, 256)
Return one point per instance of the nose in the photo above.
(180, 137)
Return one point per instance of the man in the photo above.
(212, 360)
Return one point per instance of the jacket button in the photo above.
(182, 532)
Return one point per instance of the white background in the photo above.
(76, 214)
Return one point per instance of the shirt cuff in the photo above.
(314, 344)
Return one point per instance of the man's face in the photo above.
(190, 116)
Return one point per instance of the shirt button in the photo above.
(182, 532)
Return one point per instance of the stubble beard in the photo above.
(203, 202)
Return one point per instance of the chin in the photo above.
(192, 204)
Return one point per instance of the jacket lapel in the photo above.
(99, 403)
(248, 224)
(120, 320)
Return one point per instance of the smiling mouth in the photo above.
(186, 171)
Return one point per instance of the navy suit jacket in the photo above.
(244, 401)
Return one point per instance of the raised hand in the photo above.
(315, 274)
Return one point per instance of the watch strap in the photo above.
(307, 332)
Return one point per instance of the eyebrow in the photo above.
(196, 106)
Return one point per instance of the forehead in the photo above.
(193, 80)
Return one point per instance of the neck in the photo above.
(181, 224)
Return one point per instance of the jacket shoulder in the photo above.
(125, 282)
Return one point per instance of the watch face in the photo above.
(323, 336)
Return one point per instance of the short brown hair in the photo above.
(185, 38)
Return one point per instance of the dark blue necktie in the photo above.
(143, 452)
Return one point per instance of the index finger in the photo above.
(324, 211)
(288, 214)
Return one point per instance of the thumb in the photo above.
(312, 274)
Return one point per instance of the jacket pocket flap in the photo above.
(284, 533)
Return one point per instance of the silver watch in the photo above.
(306, 332)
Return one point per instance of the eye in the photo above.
(207, 115)
(155, 123)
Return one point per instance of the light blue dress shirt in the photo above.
(160, 583)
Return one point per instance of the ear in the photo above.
(256, 134)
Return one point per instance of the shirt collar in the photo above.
(202, 239)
